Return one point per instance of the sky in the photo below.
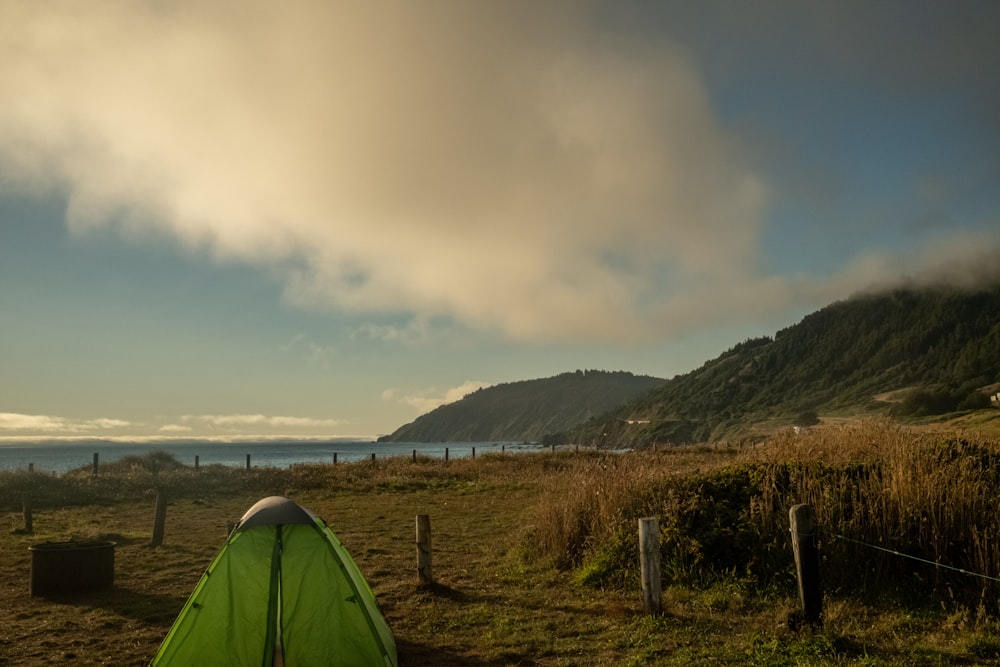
(263, 219)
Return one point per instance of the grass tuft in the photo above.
(536, 555)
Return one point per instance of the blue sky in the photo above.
(318, 219)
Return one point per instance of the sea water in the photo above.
(59, 458)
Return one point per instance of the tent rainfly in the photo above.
(282, 592)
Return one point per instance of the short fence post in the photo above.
(649, 564)
(29, 526)
(803, 529)
(473, 453)
(196, 461)
(553, 448)
(414, 456)
(159, 519)
(424, 549)
(335, 458)
(445, 454)
(248, 462)
(95, 463)
(31, 467)
(373, 456)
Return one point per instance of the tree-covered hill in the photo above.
(526, 410)
(933, 351)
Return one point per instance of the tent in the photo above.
(283, 591)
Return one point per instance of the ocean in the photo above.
(61, 457)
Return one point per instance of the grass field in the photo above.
(532, 559)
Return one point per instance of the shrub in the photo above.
(872, 485)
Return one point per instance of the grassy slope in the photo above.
(495, 604)
(835, 362)
(526, 410)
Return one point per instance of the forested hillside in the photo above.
(526, 410)
(932, 351)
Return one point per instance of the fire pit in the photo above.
(72, 567)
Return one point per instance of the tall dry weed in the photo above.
(596, 495)
(925, 494)
(876, 487)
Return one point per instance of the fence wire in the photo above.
(912, 557)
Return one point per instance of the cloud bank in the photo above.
(506, 166)
(14, 426)
(429, 399)
(244, 421)
(17, 422)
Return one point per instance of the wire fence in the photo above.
(895, 552)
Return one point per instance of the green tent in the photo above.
(283, 591)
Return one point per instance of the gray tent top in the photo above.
(273, 511)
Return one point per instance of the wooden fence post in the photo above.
(29, 526)
(248, 462)
(803, 529)
(335, 458)
(31, 467)
(95, 463)
(159, 519)
(445, 454)
(649, 564)
(424, 549)
(414, 456)
(196, 460)
(473, 453)
(373, 457)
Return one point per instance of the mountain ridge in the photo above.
(924, 352)
(936, 349)
(526, 410)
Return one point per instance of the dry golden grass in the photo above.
(598, 493)
(925, 493)
(523, 545)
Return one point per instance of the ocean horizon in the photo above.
(60, 457)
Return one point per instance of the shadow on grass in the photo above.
(150, 608)
(440, 590)
(154, 609)
(445, 592)
(418, 655)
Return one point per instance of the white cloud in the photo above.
(415, 330)
(12, 421)
(315, 353)
(501, 164)
(17, 422)
(509, 166)
(428, 399)
(239, 421)
(106, 423)
(230, 424)
(175, 428)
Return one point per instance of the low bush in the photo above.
(878, 490)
